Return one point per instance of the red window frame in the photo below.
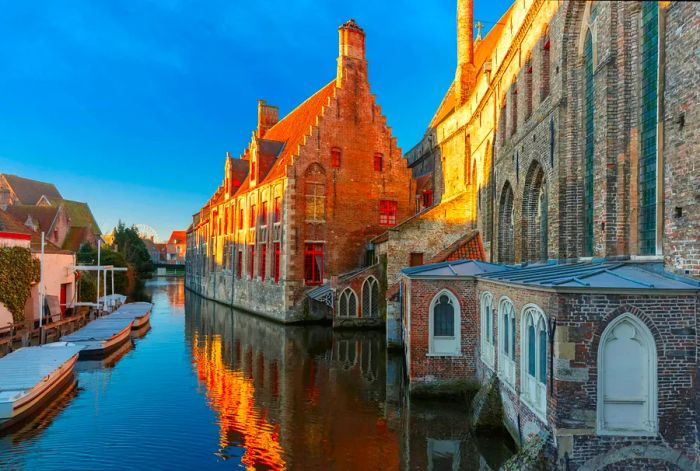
(378, 162)
(263, 261)
(263, 214)
(278, 254)
(240, 264)
(427, 198)
(278, 209)
(313, 264)
(387, 212)
(335, 157)
(251, 261)
(251, 222)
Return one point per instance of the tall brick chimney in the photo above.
(464, 78)
(351, 49)
(268, 116)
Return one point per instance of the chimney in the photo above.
(268, 116)
(464, 78)
(351, 50)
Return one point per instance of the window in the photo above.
(278, 209)
(545, 69)
(313, 264)
(444, 325)
(533, 360)
(416, 259)
(263, 214)
(387, 212)
(240, 264)
(315, 202)
(487, 348)
(251, 261)
(506, 229)
(263, 261)
(647, 161)
(528, 89)
(252, 170)
(347, 303)
(589, 146)
(278, 254)
(240, 218)
(378, 162)
(627, 403)
(514, 109)
(506, 341)
(335, 157)
(370, 297)
(427, 198)
(251, 222)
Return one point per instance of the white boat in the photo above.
(101, 336)
(140, 313)
(32, 375)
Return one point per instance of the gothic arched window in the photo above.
(347, 303)
(627, 401)
(444, 324)
(506, 341)
(487, 348)
(533, 359)
(506, 244)
(370, 297)
(589, 110)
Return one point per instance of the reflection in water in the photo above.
(210, 388)
(308, 397)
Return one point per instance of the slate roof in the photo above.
(596, 275)
(75, 238)
(30, 191)
(456, 269)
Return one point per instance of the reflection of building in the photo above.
(301, 204)
(564, 142)
(313, 398)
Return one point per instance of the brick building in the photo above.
(302, 202)
(565, 141)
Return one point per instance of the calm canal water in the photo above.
(210, 388)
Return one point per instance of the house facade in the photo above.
(301, 204)
(565, 142)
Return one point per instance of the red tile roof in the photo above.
(291, 130)
(468, 247)
(180, 236)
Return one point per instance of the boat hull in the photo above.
(41, 394)
(99, 348)
(139, 322)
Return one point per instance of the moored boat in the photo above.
(32, 375)
(139, 312)
(101, 336)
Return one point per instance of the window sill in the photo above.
(538, 413)
(444, 355)
(624, 433)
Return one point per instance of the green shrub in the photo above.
(18, 271)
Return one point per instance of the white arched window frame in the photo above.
(444, 325)
(347, 303)
(627, 383)
(506, 341)
(370, 297)
(487, 347)
(533, 359)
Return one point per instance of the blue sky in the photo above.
(132, 105)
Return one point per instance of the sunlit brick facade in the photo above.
(302, 202)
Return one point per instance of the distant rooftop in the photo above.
(456, 268)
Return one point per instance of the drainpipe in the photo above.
(42, 293)
(552, 330)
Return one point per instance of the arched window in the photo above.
(506, 243)
(528, 88)
(370, 297)
(544, 79)
(347, 303)
(445, 325)
(627, 403)
(487, 348)
(535, 208)
(649, 118)
(533, 359)
(589, 110)
(506, 341)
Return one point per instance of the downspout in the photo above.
(660, 197)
